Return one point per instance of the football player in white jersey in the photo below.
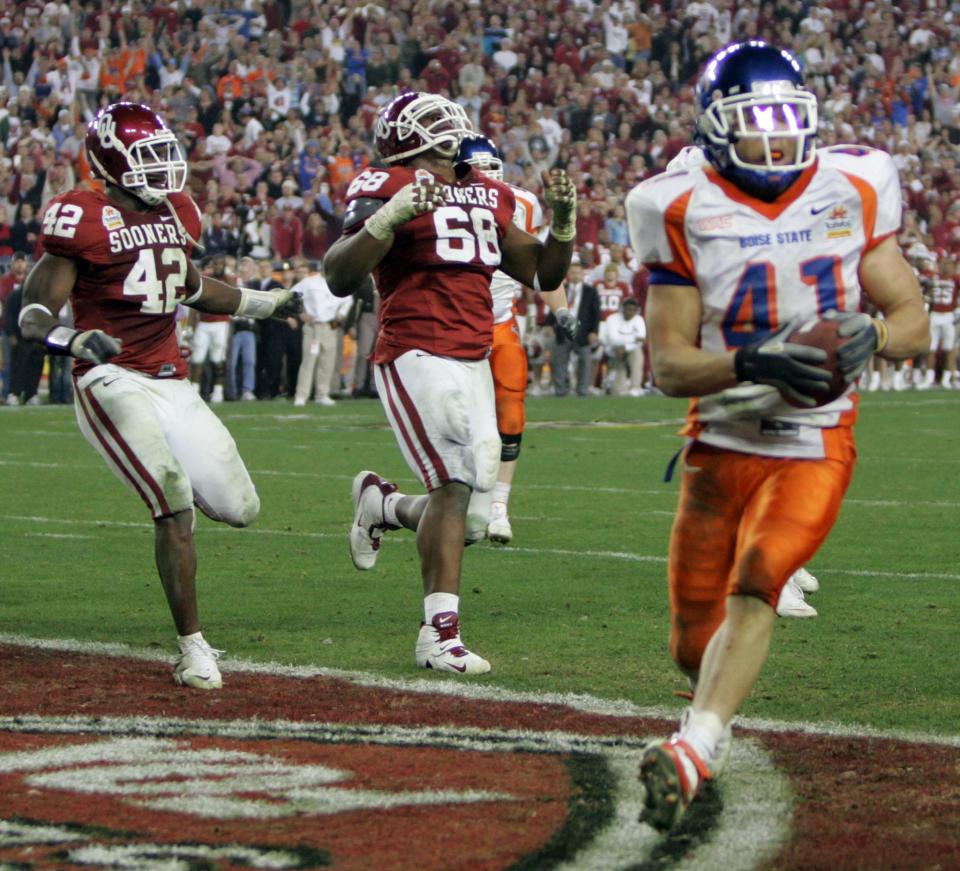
(508, 359)
(768, 233)
(792, 601)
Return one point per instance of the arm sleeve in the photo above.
(656, 218)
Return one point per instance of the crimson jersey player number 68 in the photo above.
(461, 235)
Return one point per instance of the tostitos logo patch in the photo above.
(839, 223)
(112, 219)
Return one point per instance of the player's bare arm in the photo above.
(891, 284)
(353, 257)
(45, 291)
(679, 366)
(210, 295)
(543, 266)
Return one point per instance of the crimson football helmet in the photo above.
(413, 123)
(129, 146)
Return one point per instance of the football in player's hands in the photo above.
(823, 334)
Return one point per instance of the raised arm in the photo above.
(544, 265)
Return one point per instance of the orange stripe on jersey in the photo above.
(528, 203)
(770, 211)
(868, 197)
(673, 219)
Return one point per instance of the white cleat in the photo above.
(498, 529)
(792, 603)
(369, 492)
(805, 581)
(197, 666)
(439, 647)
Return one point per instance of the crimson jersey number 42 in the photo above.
(159, 295)
(462, 235)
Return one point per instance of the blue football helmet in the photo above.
(482, 154)
(753, 91)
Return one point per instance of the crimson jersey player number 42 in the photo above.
(159, 295)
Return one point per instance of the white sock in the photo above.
(439, 603)
(390, 509)
(702, 731)
(500, 492)
(184, 640)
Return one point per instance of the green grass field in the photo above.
(578, 604)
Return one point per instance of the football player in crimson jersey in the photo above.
(122, 258)
(432, 236)
(767, 233)
(508, 359)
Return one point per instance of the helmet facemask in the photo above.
(771, 111)
(430, 123)
(489, 164)
(158, 168)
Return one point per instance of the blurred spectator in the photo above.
(242, 370)
(25, 230)
(322, 316)
(10, 281)
(287, 234)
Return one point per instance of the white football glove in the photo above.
(423, 195)
(94, 346)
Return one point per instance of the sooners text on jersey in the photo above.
(758, 264)
(434, 283)
(131, 273)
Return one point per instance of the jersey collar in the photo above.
(772, 210)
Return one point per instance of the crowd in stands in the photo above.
(275, 101)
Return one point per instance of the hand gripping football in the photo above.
(819, 333)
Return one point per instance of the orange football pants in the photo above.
(508, 363)
(745, 523)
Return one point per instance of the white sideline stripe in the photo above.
(563, 488)
(576, 701)
(523, 551)
(55, 535)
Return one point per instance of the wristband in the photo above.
(256, 304)
(33, 305)
(380, 225)
(59, 339)
(883, 334)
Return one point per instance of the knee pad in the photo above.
(478, 516)
(487, 459)
(177, 489)
(509, 447)
(457, 416)
(249, 510)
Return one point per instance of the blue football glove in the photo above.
(784, 365)
(865, 340)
